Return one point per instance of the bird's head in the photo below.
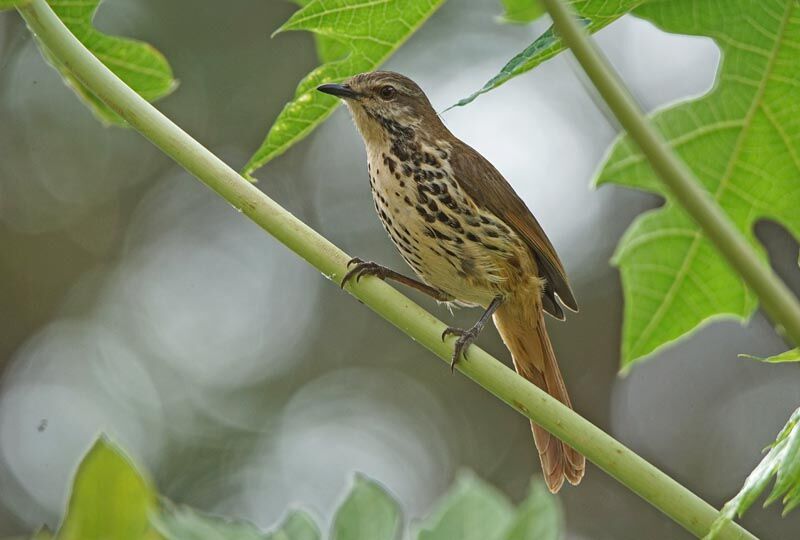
(383, 102)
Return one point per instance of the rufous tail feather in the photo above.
(522, 327)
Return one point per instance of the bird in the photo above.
(468, 236)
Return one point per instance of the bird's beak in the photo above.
(339, 90)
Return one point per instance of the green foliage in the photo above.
(595, 14)
(11, 4)
(539, 517)
(297, 526)
(370, 31)
(141, 66)
(521, 11)
(742, 140)
(368, 513)
(783, 462)
(473, 510)
(328, 48)
(470, 511)
(109, 499)
(792, 355)
(182, 523)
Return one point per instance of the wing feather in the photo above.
(487, 186)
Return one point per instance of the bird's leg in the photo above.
(466, 337)
(366, 268)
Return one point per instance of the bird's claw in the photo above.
(362, 268)
(465, 339)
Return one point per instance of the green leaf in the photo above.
(11, 4)
(783, 462)
(368, 513)
(328, 49)
(792, 355)
(371, 30)
(742, 140)
(141, 66)
(539, 517)
(596, 14)
(472, 510)
(183, 523)
(109, 499)
(297, 526)
(521, 11)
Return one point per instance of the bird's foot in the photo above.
(361, 268)
(465, 339)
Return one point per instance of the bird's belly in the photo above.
(442, 236)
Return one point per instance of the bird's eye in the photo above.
(387, 92)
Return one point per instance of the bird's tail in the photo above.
(521, 325)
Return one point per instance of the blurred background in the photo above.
(135, 302)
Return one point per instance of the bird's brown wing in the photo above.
(487, 186)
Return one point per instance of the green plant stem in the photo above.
(778, 301)
(599, 447)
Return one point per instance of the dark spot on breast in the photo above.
(430, 160)
(402, 184)
(397, 176)
(389, 162)
(430, 218)
(492, 233)
(432, 206)
(472, 237)
(448, 201)
(408, 201)
(399, 150)
(439, 234)
(468, 266)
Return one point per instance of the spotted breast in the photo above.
(451, 243)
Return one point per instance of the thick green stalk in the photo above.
(778, 301)
(599, 447)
